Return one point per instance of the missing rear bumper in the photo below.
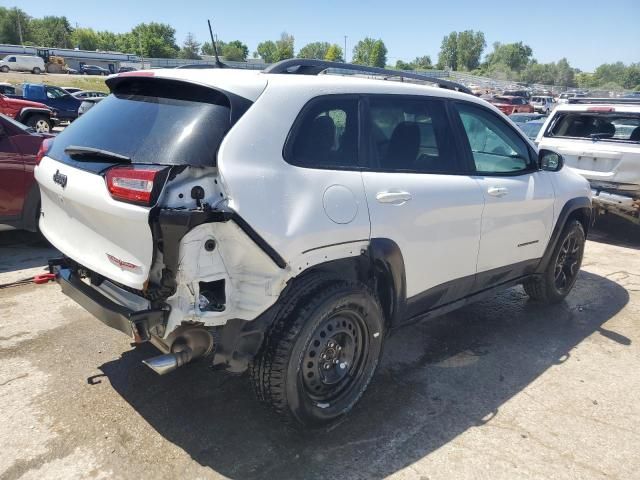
(136, 324)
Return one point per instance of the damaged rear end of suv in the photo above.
(133, 198)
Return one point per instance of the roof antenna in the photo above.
(219, 64)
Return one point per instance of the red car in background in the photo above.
(511, 104)
(19, 193)
(33, 114)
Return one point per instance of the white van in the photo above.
(22, 63)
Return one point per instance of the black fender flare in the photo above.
(573, 206)
(28, 111)
(388, 268)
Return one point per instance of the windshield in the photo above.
(151, 123)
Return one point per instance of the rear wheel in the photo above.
(39, 123)
(561, 273)
(318, 358)
(36, 71)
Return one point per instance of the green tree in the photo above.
(563, 73)
(334, 54)
(207, 49)
(631, 77)
(317, 50)
(268, 51)
(15, 26)
(448, 55)
(423, 63)
(151, 40)
(85, 39)
(235, 51)
(51, 31)
(610, 73)
(108, 41)
(370, 52)
(514, 56)
(585, 80)
(419, 63)
(285, 46)
(190, 48)
(469, 47)
(281, 49)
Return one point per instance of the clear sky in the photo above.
(587, 33)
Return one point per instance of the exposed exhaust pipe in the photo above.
(189, 344)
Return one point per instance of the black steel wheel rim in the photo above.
(335, 356)
(568, 263)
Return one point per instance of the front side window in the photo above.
(326, 135)
(12, 59)
(495, 147)
(409, 134)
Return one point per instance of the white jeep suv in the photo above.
(600, 139)
(286, 221)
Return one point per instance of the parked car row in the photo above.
(35, 64)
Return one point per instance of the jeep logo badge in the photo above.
(60, 179)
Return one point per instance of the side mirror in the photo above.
(550, 161)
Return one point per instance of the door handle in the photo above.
(393, 197)
(498, 191)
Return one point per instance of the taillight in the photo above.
(137, 184)
(45, 146)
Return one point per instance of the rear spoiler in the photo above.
(605, 101)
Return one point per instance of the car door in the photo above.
(12, 177)
(518, 213)
(65, 104)
(419, 197)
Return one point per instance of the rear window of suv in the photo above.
(151, 122)
(599, 126)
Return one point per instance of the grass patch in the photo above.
(84, 82)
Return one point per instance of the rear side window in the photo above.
(410, 134)
(152, 122)
(326, 134)
(601, 126)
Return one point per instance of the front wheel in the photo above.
(319, 357)
(39, 123)
(562, 271)
(4, 69)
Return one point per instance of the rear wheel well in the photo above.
(363, 269)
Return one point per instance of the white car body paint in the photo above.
(308, 216)
(597, 161)
(85, 223)
(511, 222)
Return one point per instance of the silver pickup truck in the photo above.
(600, 139)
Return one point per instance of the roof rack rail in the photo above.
(617, 101)
(304, 66)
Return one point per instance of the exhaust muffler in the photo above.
(186, 344)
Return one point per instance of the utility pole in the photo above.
(19, 25)
(345, 49)
(141, 51)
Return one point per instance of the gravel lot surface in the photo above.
(502, 389)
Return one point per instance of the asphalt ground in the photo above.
(501, 389)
